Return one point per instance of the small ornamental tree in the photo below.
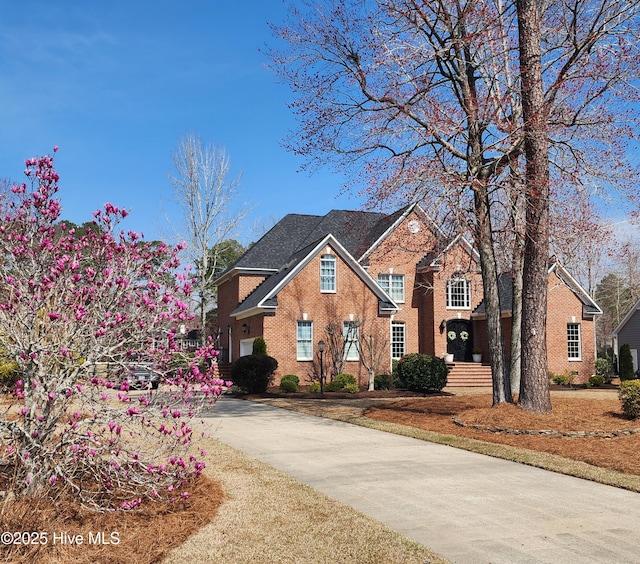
(259, 346)
(71, 303)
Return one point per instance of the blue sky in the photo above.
(116, 84)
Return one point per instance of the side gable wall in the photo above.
(563, 308)
(301, 299)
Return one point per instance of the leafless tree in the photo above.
(205, 194)
(374, 352)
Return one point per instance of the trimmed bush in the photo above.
(596, 380)
(345, 379)
(383, 382)
(259, 346)
(289, 383)
(292, 377)
(340, 382)
(253, 373)
(351, 388)
(422, 373)
(629, 394)
(333, 386)
(560, 379)
(626, 363)
(314, 388)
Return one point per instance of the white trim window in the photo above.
(458, 293)
(398, 340)
(351, 333)
(304, 340)
(328, 273)
(393, 285)
(574, 341)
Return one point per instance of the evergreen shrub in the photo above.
(289, 383)
(259, 346)
(596, 380)
(629, 394)
(9, 374)
(626, 363)
(254, 373)
(422, 373)
(340, 382)
(383, 382)
(352, 388)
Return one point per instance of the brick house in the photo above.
(394, 279)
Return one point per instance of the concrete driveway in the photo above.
(470, 508)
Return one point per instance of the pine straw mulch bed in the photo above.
(589, 412)
(570, 414)
(144, 535)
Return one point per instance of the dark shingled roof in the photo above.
(279, 243)
(505, 294)
(356, 231)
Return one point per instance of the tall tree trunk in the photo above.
(519, 222)
(515, 365)
(534, 389)
(484, 242)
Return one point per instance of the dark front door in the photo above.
(459, 339)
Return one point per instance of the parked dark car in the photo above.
(142, 377)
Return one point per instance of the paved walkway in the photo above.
(468, 507)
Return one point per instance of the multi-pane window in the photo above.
(458, 293)
(574, 344)
(327, 273)
(351, 333)
(305, 340)
(398, 340)
(393, 285)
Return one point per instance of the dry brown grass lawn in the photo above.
(269, 517)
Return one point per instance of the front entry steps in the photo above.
(468, 375)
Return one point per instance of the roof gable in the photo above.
(359, 232)
(389, 223)
(591, 307)
(264, 297)
(434, 258)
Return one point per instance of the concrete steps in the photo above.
(469, 375)
(224, 370)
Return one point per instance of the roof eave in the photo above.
(249, 271)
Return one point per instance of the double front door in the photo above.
(459, 339)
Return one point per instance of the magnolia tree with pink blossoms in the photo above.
(72, 304)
